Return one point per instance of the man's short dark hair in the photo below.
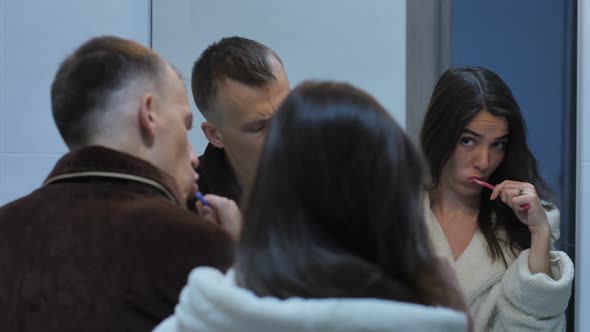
(237, 58)
(86, 80)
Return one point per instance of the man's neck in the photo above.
(239, 174)
(125, 146)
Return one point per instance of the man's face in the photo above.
(172, 149)
(245, 114)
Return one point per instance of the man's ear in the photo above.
(213, 135)
(147, 117)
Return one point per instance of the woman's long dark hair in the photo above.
(335, 209)
(460, 94)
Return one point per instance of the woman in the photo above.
(499, 240)
(333, 238)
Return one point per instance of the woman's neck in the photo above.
(444, 201)
(457, 216)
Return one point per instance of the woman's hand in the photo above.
(522, 198)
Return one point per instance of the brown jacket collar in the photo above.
(102, 162)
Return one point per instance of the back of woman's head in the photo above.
(335, 209)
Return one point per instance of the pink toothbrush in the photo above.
(492, 187)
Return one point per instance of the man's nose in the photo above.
(193, 157)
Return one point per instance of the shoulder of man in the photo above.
(184, 231)
(171, 242)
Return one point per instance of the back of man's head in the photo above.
(88, 81)
(237, 58)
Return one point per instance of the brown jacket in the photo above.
(103, 246)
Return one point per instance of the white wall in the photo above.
(583, 171)
(362, 42)
(35, 36)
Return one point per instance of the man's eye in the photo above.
(257, 126)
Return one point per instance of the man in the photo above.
(106, 243)
(237, 84)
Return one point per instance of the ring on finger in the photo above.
(520, 191)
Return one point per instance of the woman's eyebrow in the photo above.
(471, 132)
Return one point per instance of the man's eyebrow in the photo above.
(260, 118)
(257, 122)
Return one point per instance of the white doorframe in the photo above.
(583, 171)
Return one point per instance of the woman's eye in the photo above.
(500, 146)
(466, 140)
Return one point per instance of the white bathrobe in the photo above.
(213, 302)
(512, 299)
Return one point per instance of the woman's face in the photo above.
(479, 151)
